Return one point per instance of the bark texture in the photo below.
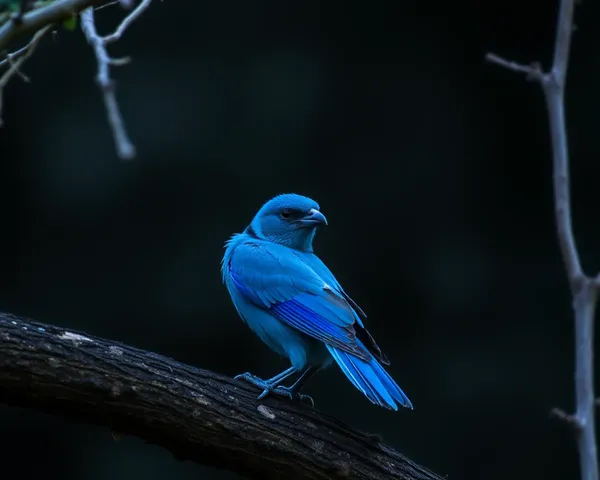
(196, 414)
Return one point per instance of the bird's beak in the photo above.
(313, 218)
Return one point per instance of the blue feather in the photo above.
(303, 301)
(321, 269)
(371, 379)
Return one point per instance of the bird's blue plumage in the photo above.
(293, 302)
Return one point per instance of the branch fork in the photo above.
(125, 148)
(16, 60)
(568, 418)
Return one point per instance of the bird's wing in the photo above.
(361, 331)
(276, 280)
(321, 269)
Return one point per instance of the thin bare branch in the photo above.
(585, 307)
(11, 57)
(125, 149)
(567, 418)
(127, 21)
(533, 71)
(584, 289)
(124, 146)
(554, 92)
(16, 63)
(109, 4)
(553, 84)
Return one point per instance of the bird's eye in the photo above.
(285, 213)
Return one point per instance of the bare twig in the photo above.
(15, 62)
(583, 288)
(533, 71)
(127, 21)
(125, 149)
(11, 57)
(109, 4)
(565, 417)
(124, 146)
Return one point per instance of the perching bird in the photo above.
(291, 300)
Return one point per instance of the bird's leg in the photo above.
(269, 384)
(253, 378)
(294, 390)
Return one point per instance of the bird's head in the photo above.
(288, 219)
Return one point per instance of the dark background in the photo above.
(434, 171)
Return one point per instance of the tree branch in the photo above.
(15, 61)
(583, 288)
(196, 414)
(125, 148)
(127, 21)
(25, 50)
(49, 14)
(42, 17)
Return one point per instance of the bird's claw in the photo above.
(292, 395)
(260, 383)
(249, 378)
(254, 380)
(270, 389)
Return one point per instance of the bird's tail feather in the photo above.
(371, 379)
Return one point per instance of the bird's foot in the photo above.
(259, 382)
(293, 395)
(275, 390)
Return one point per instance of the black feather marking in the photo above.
(365, 337)
(354, 305)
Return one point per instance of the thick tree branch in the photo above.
(584, 289)
(196, 414)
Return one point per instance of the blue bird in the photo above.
(291, 300)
